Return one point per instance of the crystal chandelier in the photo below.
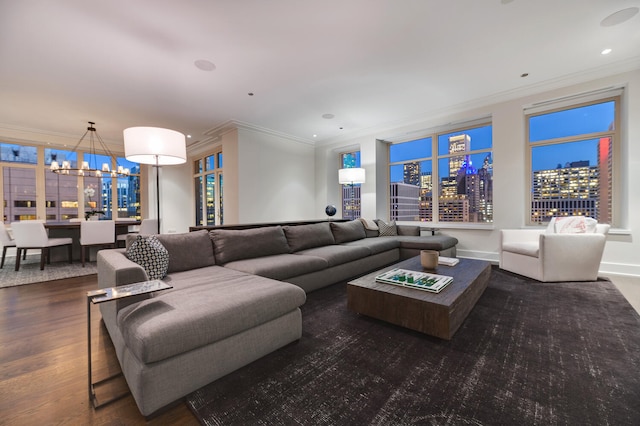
(87, 169)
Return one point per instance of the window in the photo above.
(62, 197)
(572, 161)
(208, 190)
(350, 193)
(461, 174)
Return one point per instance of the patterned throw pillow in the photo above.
(149, 253)
(387, 229)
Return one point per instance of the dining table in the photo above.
(68, 229)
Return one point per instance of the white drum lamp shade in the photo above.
(351, 176)
(154, 145)
(157, 146)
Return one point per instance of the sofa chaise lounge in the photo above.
(236, 297)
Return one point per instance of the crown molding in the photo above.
(394, 129)
(230, 125)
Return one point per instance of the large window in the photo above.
(572, 161)
(454, 185)
(208, 188)
(350, 193)
(63, 197)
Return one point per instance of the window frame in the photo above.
(355, 189)
(41, 169)
(616, 142)
(435, 158)
(202, 168)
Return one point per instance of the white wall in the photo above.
(622, 253)
(275, 178)
(177, 209)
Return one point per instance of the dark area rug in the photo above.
(528, 354)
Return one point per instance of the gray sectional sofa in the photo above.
(236, 297)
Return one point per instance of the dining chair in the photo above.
(31, 234)
(7, 242)
(96, 233)
(147, 227)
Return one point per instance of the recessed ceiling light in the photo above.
(204, 65)
(328, 116)
(524, 74)
(250, 93)
(606, 51)
(619, 17)
(315, 136)
(189, 136)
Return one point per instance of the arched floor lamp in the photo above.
(155, 146)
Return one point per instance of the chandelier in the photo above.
(90, 168)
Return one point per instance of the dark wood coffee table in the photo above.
(436, 314)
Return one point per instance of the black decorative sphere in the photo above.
(330, 210)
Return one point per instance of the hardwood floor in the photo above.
(43, 360)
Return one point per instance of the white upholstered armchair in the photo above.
(547, 255)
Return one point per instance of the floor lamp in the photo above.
(351, 176)
(155, 146)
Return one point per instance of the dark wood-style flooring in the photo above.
(43, 360)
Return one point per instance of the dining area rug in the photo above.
(30, 271)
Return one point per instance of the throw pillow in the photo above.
(343, 232)
(387, 229)
(149, 253)
(571, 225)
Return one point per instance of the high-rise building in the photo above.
(411, 173)
(404, 202)
(572, 190)
(460, 143)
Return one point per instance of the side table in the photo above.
(107, 295)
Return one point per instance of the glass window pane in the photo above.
(19, 193)
(420, 148)
(465, 140)
(571, 179)
(197, 186)
(220, 192)
(210, 163)
(197, 166)
(211, 199)
(128, 193)
(18, 153)
(350, 159)
(411, 191)
(61, 193)
(572, 122)
(219, 160)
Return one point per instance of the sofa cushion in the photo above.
(409, 230)
(190, 250)
(230, 245)
(387, 229)
(203, 311)
(149, 253)
(337, 254)
(347, 231)
(279, 266)
(431, 242)
(302, 237)
(376, 245)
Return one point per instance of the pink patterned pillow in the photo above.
(571, 225)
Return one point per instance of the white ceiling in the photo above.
(370, 63)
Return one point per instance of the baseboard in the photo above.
(493, 258)
(605, 267)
